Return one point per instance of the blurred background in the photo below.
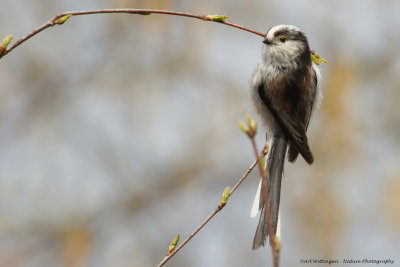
(119, 131)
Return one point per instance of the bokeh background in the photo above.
(119, 131)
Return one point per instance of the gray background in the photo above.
(119, 131)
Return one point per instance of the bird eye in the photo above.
(282, 38)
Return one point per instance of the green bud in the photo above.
(145, 13)
(317, 59)
(249, 119)
(225, 195)
(277, 243)
(261, 161)
(266, 148)
(313, 59)
(217, 18)
(173, 244)
(243, 127)
(321, 59)
(6, 41)
(62, 19)
(252, 123)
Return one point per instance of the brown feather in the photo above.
(287, 99)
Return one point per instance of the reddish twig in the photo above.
(219, 208)
(250, 129)
(264, 186)
(54, 21)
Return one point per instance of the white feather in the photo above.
(271, 32)
(319, 96)
(255, 210)
(278, 225)
(256, 203)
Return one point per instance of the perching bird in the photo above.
(285, 91)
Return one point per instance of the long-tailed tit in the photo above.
(285, 91)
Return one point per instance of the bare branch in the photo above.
(219, 208)
(56, 21)
(264, 186)
(250, 129)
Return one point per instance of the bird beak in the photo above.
(267, 42)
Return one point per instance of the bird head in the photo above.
(285, 42)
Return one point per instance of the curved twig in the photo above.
(56, 21)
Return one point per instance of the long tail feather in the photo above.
(275, 162)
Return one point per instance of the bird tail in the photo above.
(275, 161)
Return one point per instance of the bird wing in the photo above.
(293, 152)
(292, 127)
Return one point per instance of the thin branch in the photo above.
(219, 208)
(264, 186)
(54, 21)
(243, 177)
(250, 129)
